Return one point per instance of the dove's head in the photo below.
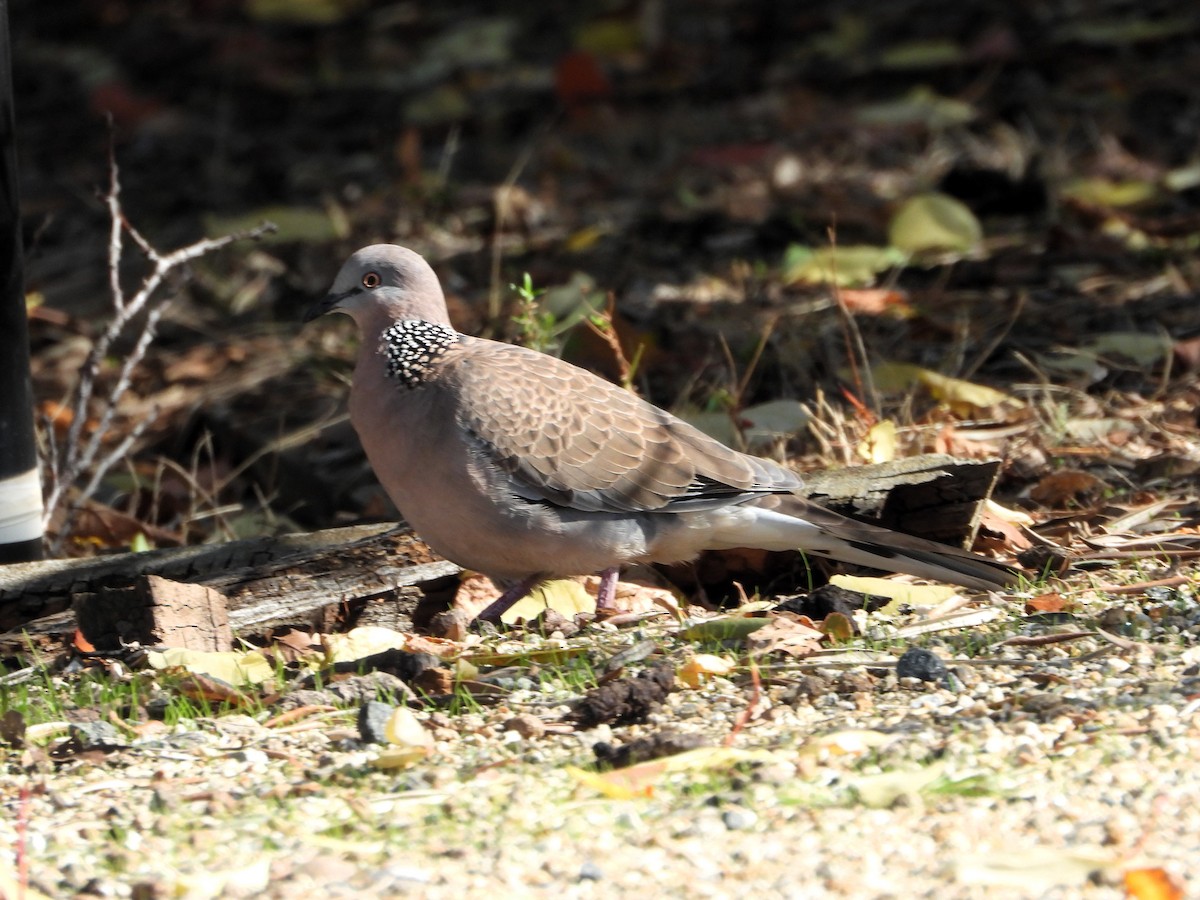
(382, 284)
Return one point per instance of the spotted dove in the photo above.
(524, 467)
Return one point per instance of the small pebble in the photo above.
(921, 664)
(738, 818)
(526, 725)
(96, 735)
(251, 755)
(373, 717)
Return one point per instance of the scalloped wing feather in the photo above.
(570, 438)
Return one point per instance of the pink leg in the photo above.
(606, 595)
(508, 599)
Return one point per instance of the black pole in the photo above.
(20, 487)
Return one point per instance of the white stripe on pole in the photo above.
(20, 508)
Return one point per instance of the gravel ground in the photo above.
(1046, 770)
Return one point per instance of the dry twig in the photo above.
(78, 456)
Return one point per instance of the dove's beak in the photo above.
(326, 304)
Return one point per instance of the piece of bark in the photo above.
(31, 591)
(298, 589)
(933, 496)
(155, 611)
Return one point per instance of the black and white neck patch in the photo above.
(411, 346)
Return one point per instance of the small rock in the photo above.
(807, 688)
(451, 624)
(96, 736)
(371, 686)
(589, 871)
(251, 755)
(738, 818)
(527, 726)
(373, 717)
(921, 664)
(854, 683)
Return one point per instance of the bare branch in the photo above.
(70, 461)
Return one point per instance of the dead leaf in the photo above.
(879, 445)
(853, 742)
(1011, 537)
(361, 642)
(1046, 603)
(847, 266)
(1067, 486)
(1152, 884)
(80, 643)
(920, 106)
(210, 689)
(884, 789)
(876, 301)
(898, 591)
(232, 667)
(699, 666)
(838, 626)
(1035, 870)
(638, 781)
(408, 741)
(782, 634)
(965, 399)
(934, 222)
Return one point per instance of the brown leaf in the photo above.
(1067, 486)
(876, 301)
(1011, 537)
(202, 687)
(784, 634)
(1046, 603)
(838, 626)
(579, 80)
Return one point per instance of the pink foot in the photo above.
(606, 595)
(508, 599)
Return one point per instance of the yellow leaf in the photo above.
(584, 238)
(235, 668)
(898, 591)
(964, 398)
(563, 595)
(1106, 192)
(638, 781)
(693, 672)
(879, 445)
(883, 790)
(845, 266)
(847, 742)
(366, 640)
(932, 222)
(404, 729)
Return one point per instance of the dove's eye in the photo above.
(371, 280)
